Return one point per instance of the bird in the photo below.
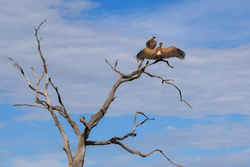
(160, 53)
(151, 43)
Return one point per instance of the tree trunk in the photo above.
(78, 160)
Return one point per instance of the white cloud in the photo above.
(196, 23)
(170, 128)
(1, 125)
(119, 160)
(40, 115)
(213, 136)
(230, 160)
(206, 79)
(75, 7)
(50, 160)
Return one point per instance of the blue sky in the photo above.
(77, 37)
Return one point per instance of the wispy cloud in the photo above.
(1, 125)
(230, 160)
(196, 23)
(219, 134)
(50, 160)
(71, 9)
(35, 115)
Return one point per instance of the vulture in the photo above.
(160, 53)
(151, 43)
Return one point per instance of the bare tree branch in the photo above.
(144, 155)
(141, 69)
(115, 139)
(165, 62)
(21, 70)
(167, 82)
(136, 125)
(58, 96)
(114, 67)
(124, 78)
(82, 119)
(40, 78)
(30, 105)
(131, 134)
(64, 113)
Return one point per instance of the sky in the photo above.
(77, 37)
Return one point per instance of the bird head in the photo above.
(153, 37)
(160, 43)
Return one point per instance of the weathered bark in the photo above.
(78, 159)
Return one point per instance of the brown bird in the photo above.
(151, 43)
(160, 53)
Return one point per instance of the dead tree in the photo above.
(77, 159)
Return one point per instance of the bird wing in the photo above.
(151, 43)
(146, 53)
(172, 52)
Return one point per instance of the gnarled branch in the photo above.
(130, 134)
(141, 69)
(115, 139)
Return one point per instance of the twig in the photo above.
(58, 96)
(114, 67)
(21, 70)
(30, 105)
(136, 125)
